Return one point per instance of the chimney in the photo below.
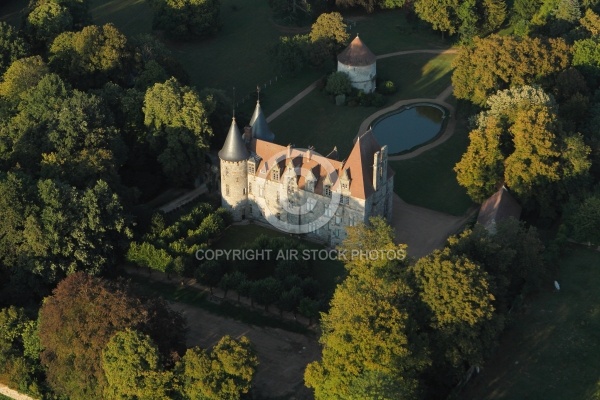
(308, 154)
(289, 151)
(376, 167)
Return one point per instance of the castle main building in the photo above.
(300, 191)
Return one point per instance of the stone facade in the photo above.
(300, 191)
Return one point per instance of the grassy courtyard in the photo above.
(551, 351)
(429, 179)
(324, 125)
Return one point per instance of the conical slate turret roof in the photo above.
(234, 148)
(260, 129)
(357, 54)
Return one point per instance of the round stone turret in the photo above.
(234, 173)
(360, 64)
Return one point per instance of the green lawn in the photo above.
(429, 179)
(3, 397)
(552, 349)
(317, 121)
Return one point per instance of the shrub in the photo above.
(388, 87)
(378, 100)
(338, 83)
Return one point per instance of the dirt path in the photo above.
(13, 394)
(422, 229)
(283, 355)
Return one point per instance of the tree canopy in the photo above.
(187, 19)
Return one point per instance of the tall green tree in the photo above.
(91, 57)
(460, 304)
(498, 62)
(21, 76)
(133, 368)
(224, 372)
(12, 46)
(187, 19)
(47, 21)
(370, 5)
(371, 348)
(179, 129)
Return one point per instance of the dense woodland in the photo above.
(94, 124)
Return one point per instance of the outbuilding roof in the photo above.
(357, 54)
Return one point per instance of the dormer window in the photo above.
(345, 185)
(327, 190)
(310, 186)
(275, 175)
(251, 168)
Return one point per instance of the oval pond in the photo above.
(409, 127)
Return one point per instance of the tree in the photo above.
(370, 5)
(458, 297)
(12, 46)
(179, 128)
(440, 14)
(582, 219)
(481, 167)
(133, 368)
(78, 321)
(85, 144)
(329, 27)
(338, 83)
(21, 76)
(46, 22)
(288, 54)
(91, 57)
(226, 372)
(513, 257)
(187, 19)
(371, 349)
(78, 9)
(498, 62)
(73, 230)
(266, 291)
(586, 58)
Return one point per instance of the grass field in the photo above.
(552, 349)
(429, 179)
(317, 121)
(3, 397)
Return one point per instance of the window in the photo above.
(310, 186)
(226, 190)
(261, 191)
(251, 168)
(251, 210)
(328, 212)
(249, 188)
(278, 196)
(327, 190)
(312, 227)
(275, 175)
(310, 204)
(244, 191)
(345, 185)
(338, 220)
(344, 200)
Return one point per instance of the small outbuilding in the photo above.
(498, 207)
(360, 64)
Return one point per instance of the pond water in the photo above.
(409, 127)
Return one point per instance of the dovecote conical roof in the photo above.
(260, 129)
(234, 148)
(357, 54)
